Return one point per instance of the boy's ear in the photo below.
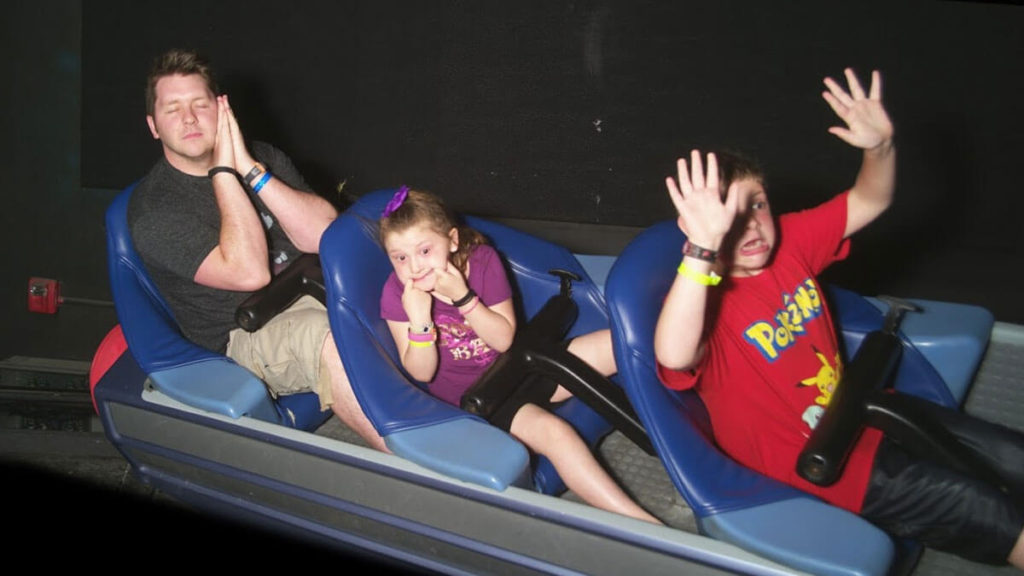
(453, 235)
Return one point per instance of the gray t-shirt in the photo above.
(175, 223)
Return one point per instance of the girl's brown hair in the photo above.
(420, 207)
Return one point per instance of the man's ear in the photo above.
(453, 235)
(152, 127)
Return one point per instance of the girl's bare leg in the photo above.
(547, 434)
(595, 348)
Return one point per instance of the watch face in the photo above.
(256, 171)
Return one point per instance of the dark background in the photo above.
(551, 110)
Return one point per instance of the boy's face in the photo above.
(419, 250)
(184, 118)
(752, 238)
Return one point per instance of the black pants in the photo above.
(960, 512)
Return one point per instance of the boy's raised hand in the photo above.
(703, 216)
(867, 123)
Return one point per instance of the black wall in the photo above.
(562, 110)
(52, 226)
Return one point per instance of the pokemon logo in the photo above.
(772, 337)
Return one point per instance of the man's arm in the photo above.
(867, 127)
(302, 215)
(240, 260)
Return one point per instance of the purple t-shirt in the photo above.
(463, 355)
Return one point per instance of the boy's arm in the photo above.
(867, 127)
(705, 219)
(678, 336)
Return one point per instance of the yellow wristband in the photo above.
(416, 344)
(702, 279)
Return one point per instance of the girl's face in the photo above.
(753, 235)
(419, 250)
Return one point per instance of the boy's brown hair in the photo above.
(733, 166)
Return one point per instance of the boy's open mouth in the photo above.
(754, 246)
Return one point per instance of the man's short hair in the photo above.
(177, 62)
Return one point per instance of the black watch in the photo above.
(465, 299)
(253, 174)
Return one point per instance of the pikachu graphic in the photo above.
(826, 380)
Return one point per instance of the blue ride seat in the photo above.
(946, 342)
(414, 424)
(734, 503)
(177, 367)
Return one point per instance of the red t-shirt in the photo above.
(772, 359)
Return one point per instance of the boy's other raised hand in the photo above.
(867, 123)
(703, 215)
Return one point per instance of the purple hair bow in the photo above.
(396, 202)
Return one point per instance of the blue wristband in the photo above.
(261, 183)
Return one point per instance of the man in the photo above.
(213, 223)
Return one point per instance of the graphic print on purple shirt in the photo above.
(456, 338)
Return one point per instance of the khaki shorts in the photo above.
(286, 352)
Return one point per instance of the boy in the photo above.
(745, 323)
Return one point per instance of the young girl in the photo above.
(449, 306)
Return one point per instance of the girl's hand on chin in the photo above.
(450, 283)
(416, 302)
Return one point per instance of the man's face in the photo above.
(752, 237)
(185, 120)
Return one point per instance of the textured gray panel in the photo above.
(644, 477)
(998, 391)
